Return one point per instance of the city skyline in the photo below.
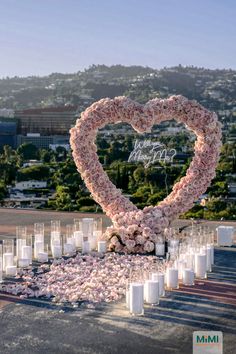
(58, 36)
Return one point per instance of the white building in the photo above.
(30, 184)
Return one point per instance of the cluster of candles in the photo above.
(83, 235)
(188, 258)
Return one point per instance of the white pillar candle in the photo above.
(56, 251)
(8, 260)
(136, 298)
(200, 265)
(152, 292)
(11, 270)
(211, 246)
(42, 257)
(172, 278)
(86, 248)
(102, 246)
(38, 247)
(160, 249)
(23, 262)
(78, 235)
(160, 277)
(27, 252)
(68, 248)
(208, 256)
(188, 276)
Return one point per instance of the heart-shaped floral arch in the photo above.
(136, 230)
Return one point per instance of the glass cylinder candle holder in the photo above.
(11, 269)
(55, 234)
(152, 292)
(26, 249)
(172, 277)
(8, 254)
(200, 266)
(69, 241)
(188, 277)
(39, 232)
(86, 246)
(43, 255)
(98, 224)
(87, 226)
(38, 239)
(56, 228)
(78, 234)
(160, 277)
(136, 298)
(21, 233)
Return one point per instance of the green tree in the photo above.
(29, 151)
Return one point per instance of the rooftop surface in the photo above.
(38, 326)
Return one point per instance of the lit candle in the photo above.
(152, 292)
(23, 262)
(102, 246)
(8, 260)
(11, 270)
(160, 277)
(200, 265)
(136, 298)
(172, 278)
(160, 249)
(42, 257)
(86, 248)
(188, 276)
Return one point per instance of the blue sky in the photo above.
(38, 37)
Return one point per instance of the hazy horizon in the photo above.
(109, 66)
(39, 38)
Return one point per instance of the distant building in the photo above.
(8, 127)
(6, 113)
(46, 121)
(30, 185)
(44, 141)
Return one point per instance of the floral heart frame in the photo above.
(136, 230)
